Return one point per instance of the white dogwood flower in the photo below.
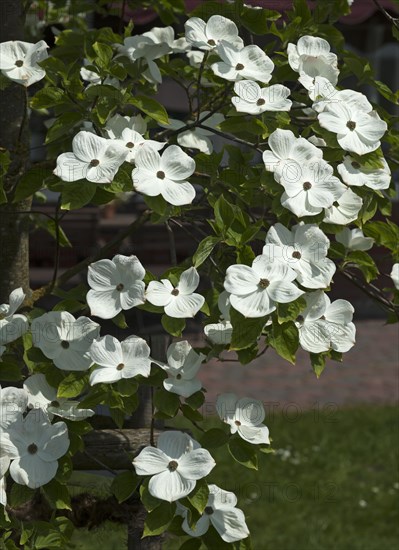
(354, 239)
(255, 291)
(310, 187)
(287, 150)
(206, 36)
(198, 138)
(220, 333)
(345, 209)
(13, 403)
(395, 275)
(93, 158)
(116, 360)
(303, 248)
(221, 512)
(94, 78)
(166, 35)
(115, 125)
(12, 325)
(253, 99)
(180, 301)
(324, 94)
(183, 364)
(4, 465)
(324, 325)
(164, 175)
(354, 174)
(19, 61)
(43, 396)
(133, 141)
(311, 56)
(147, 48)
(64, 339)
(248, 63)
(34, 447)
(175, 465)
(116, 285)
(244, 416)
(357, 131)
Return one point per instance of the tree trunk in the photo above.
(14, 137)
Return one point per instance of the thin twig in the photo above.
(201, 70)
(57, 242)
(393, 20)
(229, 137)
(172, 244)
(104, 466)
(371, 291)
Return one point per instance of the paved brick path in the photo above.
(369, 374)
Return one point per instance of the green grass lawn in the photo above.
(332, 484)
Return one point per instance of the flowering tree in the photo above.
(290, 199)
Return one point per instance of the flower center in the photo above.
(264, 283)
(323, 318)
(237, 423)
(336, 204)
(296, 255)
(65, 344)
(121, 366)
(130, 145)
(175, 292)
(55, 404)
(120, 287)
(307, 185)
(32, 449)
(94, 162)
(161, 175)
(260, 101)
(355, 165)
(211, 42)
(19, 63)
(172, 466)
(239, 67)
(178, 376)
(351, 125)
(300, 319)
(208, 510)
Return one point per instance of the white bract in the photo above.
(220, 333)
(310, 188)
(248, 63)
(311, 57)
(147, 48)
(324, 325)
(13, 403)
(324, 94)
(12, 325)
(43, 396)
(221, 512)
(395, 275)
(175, 465)
(255, 291)
(165, 175)
(304, 249)
(19, 61)
(286, 151)
(64, 339)
(118, 123)
(197, 138)
(180, 301)
(116, 285)
(93, 158)
(253, 99)
(345, 210)
(354, 239)
(245, 416)
(183, 364)
(133, 141)
(34, 447)
(95, 79)
(357, 131)
(354, 174)
(166, 35)
(4, 465)
(207, 36)
(116, 360)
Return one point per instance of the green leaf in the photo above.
(318, 361)
(124, 485)
(245, 331)
(118, 415)
(191, 414)
(204, 249)
(10, 371)
(77, 194)
(363, 261)
(48, 97)
(31, 182)
(213, 438)
(199, 496)
(224, 213)
(104, 54)
(73, 384)
(384, 233)
(290, 311)
(150, 107)
(256, 20)
(119, 320)
(243, 452)
(58, 495)
(196, 400)
(172, 325)
(150, 503)
(191, 544)
(244, 125)
(20, 494)
(62, 125)
(284, 338)
(166, 402)
(158, 520)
